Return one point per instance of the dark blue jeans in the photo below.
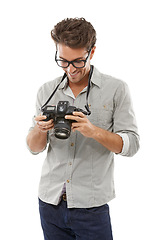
(62, 223)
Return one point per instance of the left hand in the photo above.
(82, 124)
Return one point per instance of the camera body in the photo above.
(62, 126)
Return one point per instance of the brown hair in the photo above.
(74, 33)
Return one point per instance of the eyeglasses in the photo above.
(76, 63)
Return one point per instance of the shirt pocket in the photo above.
(102, 116)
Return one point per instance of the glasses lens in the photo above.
(62, 63)
(79, 64)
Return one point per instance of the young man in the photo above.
(77, 176)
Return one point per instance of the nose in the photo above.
(71, 68)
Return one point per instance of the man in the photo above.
(77, 176)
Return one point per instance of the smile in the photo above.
(73, 74)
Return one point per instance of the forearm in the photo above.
(111, 141)
(37, 140)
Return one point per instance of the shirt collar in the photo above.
(96, 77)
(64, 84)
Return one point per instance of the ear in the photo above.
(92, 52)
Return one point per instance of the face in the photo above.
(75, 75)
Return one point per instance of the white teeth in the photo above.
(72, 74)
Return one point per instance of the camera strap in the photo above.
(88, 90)
(64, 76)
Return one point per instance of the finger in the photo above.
(73, 118)
(80, 114)
(76, 118)
(40, 118)
(49, 126)
(75, 125)
(46, 128)
(43, 123)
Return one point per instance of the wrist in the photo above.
(96, 132)
(39, 131)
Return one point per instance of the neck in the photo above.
(78, 86)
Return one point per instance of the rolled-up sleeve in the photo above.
(37, 113)
(125, 121)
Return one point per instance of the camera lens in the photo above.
(62, 133)
(62, 129)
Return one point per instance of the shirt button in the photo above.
(72, 144)
(67, 181)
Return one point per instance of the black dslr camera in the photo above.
(62, 126)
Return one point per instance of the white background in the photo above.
(130, 46)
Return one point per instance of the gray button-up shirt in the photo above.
(82, 164)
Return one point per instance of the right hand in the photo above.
(43, 125)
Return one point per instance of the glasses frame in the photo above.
(72, 62)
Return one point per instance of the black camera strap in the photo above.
(64, 76)
(88, 90)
